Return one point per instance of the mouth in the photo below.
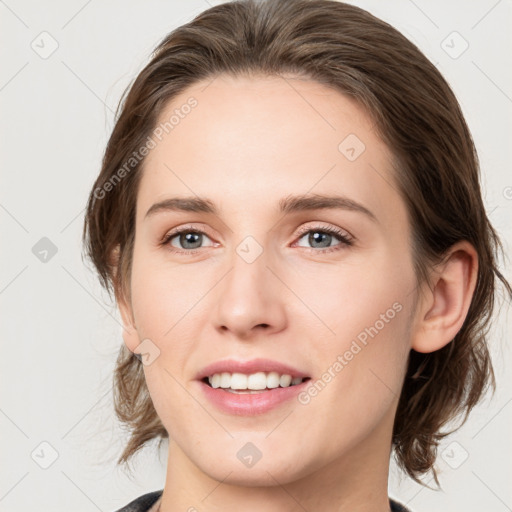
(250, 388)
(254, 383)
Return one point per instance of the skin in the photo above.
(249, 143)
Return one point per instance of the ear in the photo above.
(130, 334)
(444, 307)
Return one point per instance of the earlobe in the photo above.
(130, 335)
(444, 307)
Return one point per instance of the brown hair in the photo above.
(416, 115)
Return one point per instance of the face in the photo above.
(299, 255)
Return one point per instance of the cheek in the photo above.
(359, 380)
(162, 295)
(361, 362)
(358, 297)
(370, 343)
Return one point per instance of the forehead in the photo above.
(236, 139)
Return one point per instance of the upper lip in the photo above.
(248, 367)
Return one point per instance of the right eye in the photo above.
(189, 239)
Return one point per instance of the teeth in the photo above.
(237, 381)
(254, 381)
(285, 381)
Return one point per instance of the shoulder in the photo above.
(397, 507)
(142, 503)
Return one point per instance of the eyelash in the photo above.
(344, 238)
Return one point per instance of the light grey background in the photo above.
(60, 334)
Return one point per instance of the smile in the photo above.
(253, 383)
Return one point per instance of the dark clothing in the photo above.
(142, 503)
(397, 507)
(146, 501)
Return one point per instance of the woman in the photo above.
(285, 373)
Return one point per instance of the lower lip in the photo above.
(247, 404)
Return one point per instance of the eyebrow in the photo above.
(287, 205)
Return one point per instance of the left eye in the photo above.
(324, 237)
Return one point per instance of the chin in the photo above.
(262, 476)
(269, 470)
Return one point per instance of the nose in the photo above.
(250, 299)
